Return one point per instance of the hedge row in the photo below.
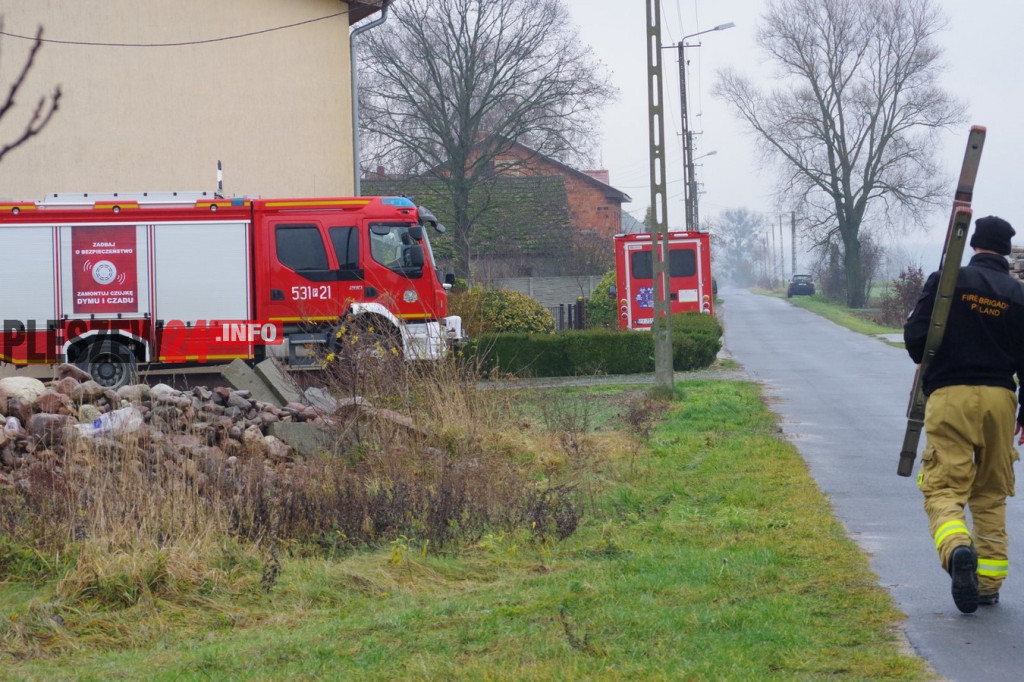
(696, 340)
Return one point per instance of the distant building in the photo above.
(156, 92)
(544, 218)
(631, 225)
(594, 205)
(526, 232)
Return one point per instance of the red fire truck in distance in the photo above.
(109, 281)
(689, 269)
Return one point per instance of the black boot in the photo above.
(963, 568)
(990, 599)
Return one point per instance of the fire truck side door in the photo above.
(684, 275)
(304, 281)
(639, 290)
(351, 273)
(682, 272)
(345, 241)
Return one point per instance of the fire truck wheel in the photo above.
(110, 364)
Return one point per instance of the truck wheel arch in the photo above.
(112, 361)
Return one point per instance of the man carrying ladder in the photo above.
(971, 414)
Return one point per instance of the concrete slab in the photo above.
(278, 382)
(242, 377)
(308, 439)
(41, 372)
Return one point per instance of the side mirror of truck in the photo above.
(426, 216)
(449, 278)
(416, 232)
(611, 291)
(413, 256)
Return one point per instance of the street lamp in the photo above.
(690, 182)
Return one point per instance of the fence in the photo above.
(569, 316)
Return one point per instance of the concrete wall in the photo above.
(275, 107)
(551, 291)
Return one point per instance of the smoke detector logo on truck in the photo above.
(103, 272)
(105, 262)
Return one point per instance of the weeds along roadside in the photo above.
(421, 459)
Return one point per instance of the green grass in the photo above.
(836, 312)
(841, 315)
(708, 554)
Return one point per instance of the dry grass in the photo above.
(423, 461)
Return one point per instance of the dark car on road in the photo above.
(800, 285)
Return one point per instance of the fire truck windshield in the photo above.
(393, 245)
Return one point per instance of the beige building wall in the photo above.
(274, 106)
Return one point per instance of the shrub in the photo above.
(897, 302)
(486, 311)
(601, 309)
(696, 340)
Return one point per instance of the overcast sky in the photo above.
(984, 70)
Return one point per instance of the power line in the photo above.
(667, 182)
(86, 43)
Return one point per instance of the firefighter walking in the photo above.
(972, 414)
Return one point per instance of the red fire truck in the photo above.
(109, 281)
(689, 270)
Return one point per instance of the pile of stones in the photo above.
(44, 423)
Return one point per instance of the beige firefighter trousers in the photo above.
(968, 460)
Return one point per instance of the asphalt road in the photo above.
(841, 398)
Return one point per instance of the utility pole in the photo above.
(664, 375)
(689, 176)
(688, 188)
(792, 238)
(692, 179)
(768, 277)
(782, 252)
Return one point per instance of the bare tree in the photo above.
(44, 110)
(592, 253)
(736, 239)
(855, 120)
(449, 86)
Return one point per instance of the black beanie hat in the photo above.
(992, 234)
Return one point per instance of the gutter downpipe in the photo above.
(355, 90)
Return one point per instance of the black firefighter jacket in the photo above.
(984, 340)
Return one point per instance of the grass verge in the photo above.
(704, 551)
(842, 315)
(836, 312)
